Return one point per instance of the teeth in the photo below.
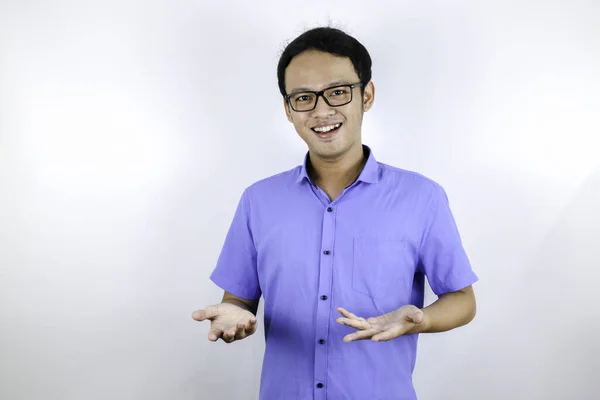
(323, 129)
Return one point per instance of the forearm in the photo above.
(449, 311)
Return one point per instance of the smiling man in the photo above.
(339, 247)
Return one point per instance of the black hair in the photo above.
(328, 40)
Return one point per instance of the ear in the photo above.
(368, 96)
(286, 107)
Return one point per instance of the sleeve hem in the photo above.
(456, 283)
(236, 290)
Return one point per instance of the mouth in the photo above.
(327, 130)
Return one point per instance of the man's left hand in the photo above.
(406, 319)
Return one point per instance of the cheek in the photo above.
(351, 118)
(357, 114)
(300, 125)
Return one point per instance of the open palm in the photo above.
(227, 321)
(383, 327)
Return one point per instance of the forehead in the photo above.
(315, 70)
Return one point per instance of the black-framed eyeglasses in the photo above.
(334, 96)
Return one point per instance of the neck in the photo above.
(339, 171)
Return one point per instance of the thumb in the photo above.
(204, 314)
(415, 316)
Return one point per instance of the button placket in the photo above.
(324, 307)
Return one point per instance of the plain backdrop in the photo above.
(128, 131)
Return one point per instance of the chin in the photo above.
(328, 151)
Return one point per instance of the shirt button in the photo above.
(322, 341)
(326, 252)
(329, 209)
(323, 297)
(319, 385)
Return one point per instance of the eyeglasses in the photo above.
(335, 96)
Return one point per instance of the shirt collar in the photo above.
(369, 173)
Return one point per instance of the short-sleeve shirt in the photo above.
(368, 251)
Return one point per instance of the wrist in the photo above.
(239, 304)
(425, 324)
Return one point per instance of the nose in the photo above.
(322, 108)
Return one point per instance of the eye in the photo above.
(303, 97)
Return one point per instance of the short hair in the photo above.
(328, 40)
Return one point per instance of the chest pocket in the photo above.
(381, 268)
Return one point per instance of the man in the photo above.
(339, 247)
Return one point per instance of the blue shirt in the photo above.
(368, 251)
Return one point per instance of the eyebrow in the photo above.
(331, 84)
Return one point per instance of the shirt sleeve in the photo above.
(236, 271)
(442, 255)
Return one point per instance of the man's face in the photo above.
(315, 70)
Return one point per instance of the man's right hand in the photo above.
(227, 321)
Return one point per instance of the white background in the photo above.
(128, 131)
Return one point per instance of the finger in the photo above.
(347, 313)
(354, 323)
(229, 336)
(391, 333)
(214, 334)
(251, 328)
(227, 339)
(240, 334)
(250, 324)
(360, 335)
(204, 314)
(240, 330)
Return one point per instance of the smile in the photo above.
(327, 129)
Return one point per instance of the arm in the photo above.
(449, 311)
(448, 270)
(235, 317)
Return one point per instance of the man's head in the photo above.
(326, 59)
